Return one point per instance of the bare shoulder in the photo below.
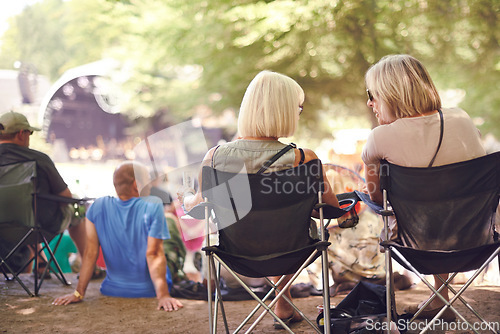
(208, 156)
(308, 155)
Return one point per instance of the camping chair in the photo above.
(19, 226)
(263, 223)
(446, 224)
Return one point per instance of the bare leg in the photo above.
(41, 258)
(437, 302)
(283, 309)
(189, 269)
(78, 235)
(437, 284)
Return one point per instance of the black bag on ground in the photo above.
(189, 290)
(361, 311)
(239, 293)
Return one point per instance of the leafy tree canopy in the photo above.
(187, 53)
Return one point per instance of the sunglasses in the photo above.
(30, 132)
(301, 108)
(370, 95)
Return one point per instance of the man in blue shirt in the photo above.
(130, 230)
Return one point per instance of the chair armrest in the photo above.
(330, 212)
(377, 208)
(63, 199)
(198, 212)
(347, 202)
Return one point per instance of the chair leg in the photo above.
(389, 287)
(267, 308)
(433, 296)
(52, 258)
(2, 261)
(465, 286)
(274, 289)
(211, 315)
(218, 299)
(279, 295)
(14, 276)
(37, 287)
(394, 313)
(466, 304)
(448, 304)
(326, 292)
(258, 306)
(304, 317)
(261, 302)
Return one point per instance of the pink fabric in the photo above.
(192, 230)
(100, 260)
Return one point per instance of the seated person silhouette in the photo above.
(130, 230)
(15, 132)
(270, 109)
(408, 108)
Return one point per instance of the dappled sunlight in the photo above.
(20, 309)
(11, 306)
(26, 311)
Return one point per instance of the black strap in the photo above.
(213, 154)
(440, 137)
(302, 156)
(269, 162)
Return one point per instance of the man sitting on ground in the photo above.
(130, 230)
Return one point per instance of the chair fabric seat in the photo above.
(443, 262)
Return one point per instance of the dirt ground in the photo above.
(99, 314)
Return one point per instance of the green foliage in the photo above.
(187, 53)
(327, 46)
(35, 38)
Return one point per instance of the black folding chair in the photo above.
(264, 229)
(19, 226)
(446, 224)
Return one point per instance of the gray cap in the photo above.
(12, 122)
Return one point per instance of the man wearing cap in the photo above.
(15, 132)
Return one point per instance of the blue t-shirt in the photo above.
(123, 228)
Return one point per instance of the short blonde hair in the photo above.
(404, 85)
(270, 106)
